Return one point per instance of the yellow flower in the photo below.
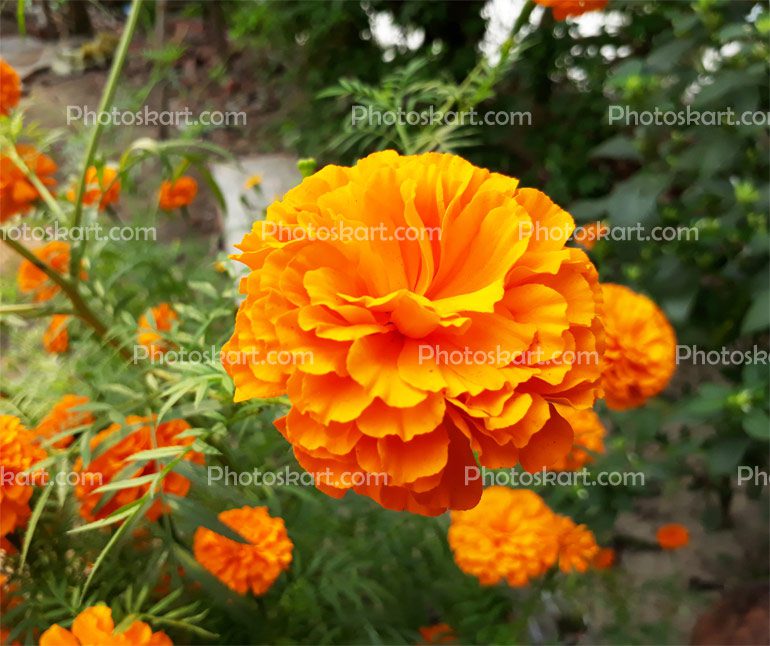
(253, 181)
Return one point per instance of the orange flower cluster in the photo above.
(56, 338)
(254, 565)
(111, 463)
(673, 536)
(512, 535)
(156, 320)
(102, 187)
(17, 193)
(640, 355)
(18, 452)
(589, 438)
(95, 627)
(563, 9)
(30, 278)
(439, 258)
(10, 88)
(62, 418)
(177, 193)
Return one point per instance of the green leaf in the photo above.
(619, 147)
(758, 316)
(757, 425)
(30, 531)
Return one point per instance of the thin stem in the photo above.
(105, 102)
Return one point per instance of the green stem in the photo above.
(106, 100)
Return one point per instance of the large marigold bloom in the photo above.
(17, 194)
(673, 536)
(640, 355)
(111, 463)
(10, 88)
(95, 627)
(156, 320)
(102, 187)
(510, 535)
(56, 255)
(589, 438)
(254, 565)
(18, 452)
(563, 9)
(62, 418)
(383, 273)
(56, 339)
(177, 193)
(577, 545)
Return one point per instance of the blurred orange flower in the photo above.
(18, 452)
(17, 194)
(102, 187)
(111, 464)
(254, 565)
(508, 536)
(8, 600)
(253, 181)
(156, 320)
(640, 355)
(588, 235)
(604, 558)
(10, 88)
(95, 627)
(56, 255)
(589, 438)
(379, 272)
(577, 546)
(673, 536)
(56, 338)
(563, 9)
(438, 634)
(62, 418)
(178, 193)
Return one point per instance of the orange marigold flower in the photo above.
(111, 463)
(102, 187)
(17, 194)
(178, 193)
(604, 558)
(56, 338)
(254, 565)
(56, 255)
(673, 536)
(587, 235)
(563, 9)
(640, 355)
(18, 452)
(156, 320)
(62, 418)
(508, 536)
(377, 273)
(95, 627)
(589, 438)
(438, 634)
(577, 545)
(10, 88)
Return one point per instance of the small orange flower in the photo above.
(587, 235)
(62, 418)
(111, 464)
(156, 320)
(640, 355)
(17, 194)
(577, 546)
(102, 187)
(604, 558)
(10, 88)
(508, 536)
(18, 452)
(56, 255)
(589, 438)
(253, 181)
(56, 338)
(673, 536)
(438, 634)
(95, 627)
(563, 9)
(254, 565)
(178, 193)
